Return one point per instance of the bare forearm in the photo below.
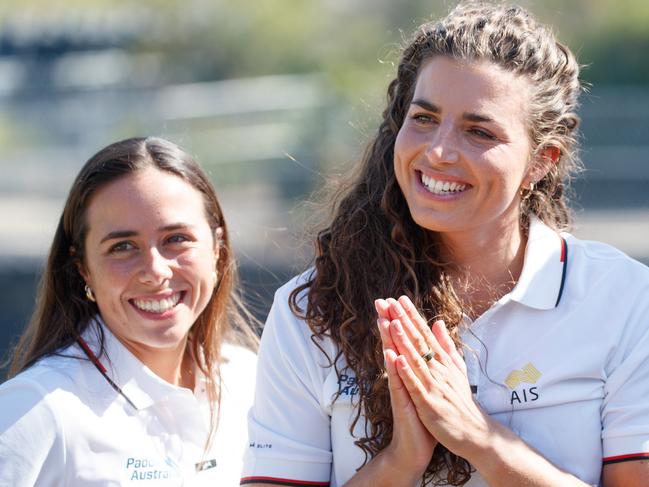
(506, 461)
(384, 471)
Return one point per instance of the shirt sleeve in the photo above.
(625, 411)
(289, 428)
(31, 441)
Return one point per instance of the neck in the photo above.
(487, 265)
(175, 365)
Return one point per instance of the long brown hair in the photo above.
(371, 246)
(62, 311)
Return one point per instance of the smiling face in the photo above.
(150, 257)
(461, 155)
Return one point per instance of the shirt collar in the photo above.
(143, 387)
(540, 285)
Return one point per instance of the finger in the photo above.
(447, 343)
(419, 342)
(384, 331)
(420, 324)
(382, 308)
(419, 321)
(407, 349)
(417, 393)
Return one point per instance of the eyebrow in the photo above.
(132, 233)
(471, 117)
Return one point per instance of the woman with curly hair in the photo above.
(502, 362)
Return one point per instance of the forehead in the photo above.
(472, 86)
(147, 197)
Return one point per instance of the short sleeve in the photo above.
(289, 429)
(31, 442)
(625, 412)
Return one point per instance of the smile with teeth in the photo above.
(436, 186)
(157, 305)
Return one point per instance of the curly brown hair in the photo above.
(371, 246)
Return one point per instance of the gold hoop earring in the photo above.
(89, 294)
(525, 193)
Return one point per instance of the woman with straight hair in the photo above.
(451, 331)
(137, 367)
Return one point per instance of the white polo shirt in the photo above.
(562, 360)
(63, 424)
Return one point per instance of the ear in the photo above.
(81, 269)
(542, 164)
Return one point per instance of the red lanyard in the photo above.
(102, 370)
(200, 466)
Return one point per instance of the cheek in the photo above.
(197, 264)
(405, 145)
(110, 276)
(403, 155)
(506, 168)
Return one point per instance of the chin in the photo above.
(432, 224)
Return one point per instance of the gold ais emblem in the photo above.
(528, 374)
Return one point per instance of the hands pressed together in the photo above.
(429, 389)
(432, 403)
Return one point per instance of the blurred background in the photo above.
(273, 97)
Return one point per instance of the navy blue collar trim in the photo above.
(564, 259)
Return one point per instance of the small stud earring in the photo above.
(89, 294)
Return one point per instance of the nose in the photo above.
(442, 146)
(156, 268)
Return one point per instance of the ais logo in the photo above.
(527, 375)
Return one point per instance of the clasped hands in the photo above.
(430, 393)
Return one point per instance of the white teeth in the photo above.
(157, 306)
(441, 187)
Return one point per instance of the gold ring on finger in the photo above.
(428, 356)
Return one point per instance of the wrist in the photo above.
(486, 450)
(401, 471)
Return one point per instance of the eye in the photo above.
(423, 118)
(178, 238)
(121, 247)
(482, 133)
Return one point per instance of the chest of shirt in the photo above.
(157, 446)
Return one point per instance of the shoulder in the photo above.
(34, 404)
(285, 317)
(287, 334)
(610, 288)
(284, 292)
(48, 374)
(604, 264)
(32, 431)
(282, 318)
(53, 384)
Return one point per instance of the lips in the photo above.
(158, 305)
